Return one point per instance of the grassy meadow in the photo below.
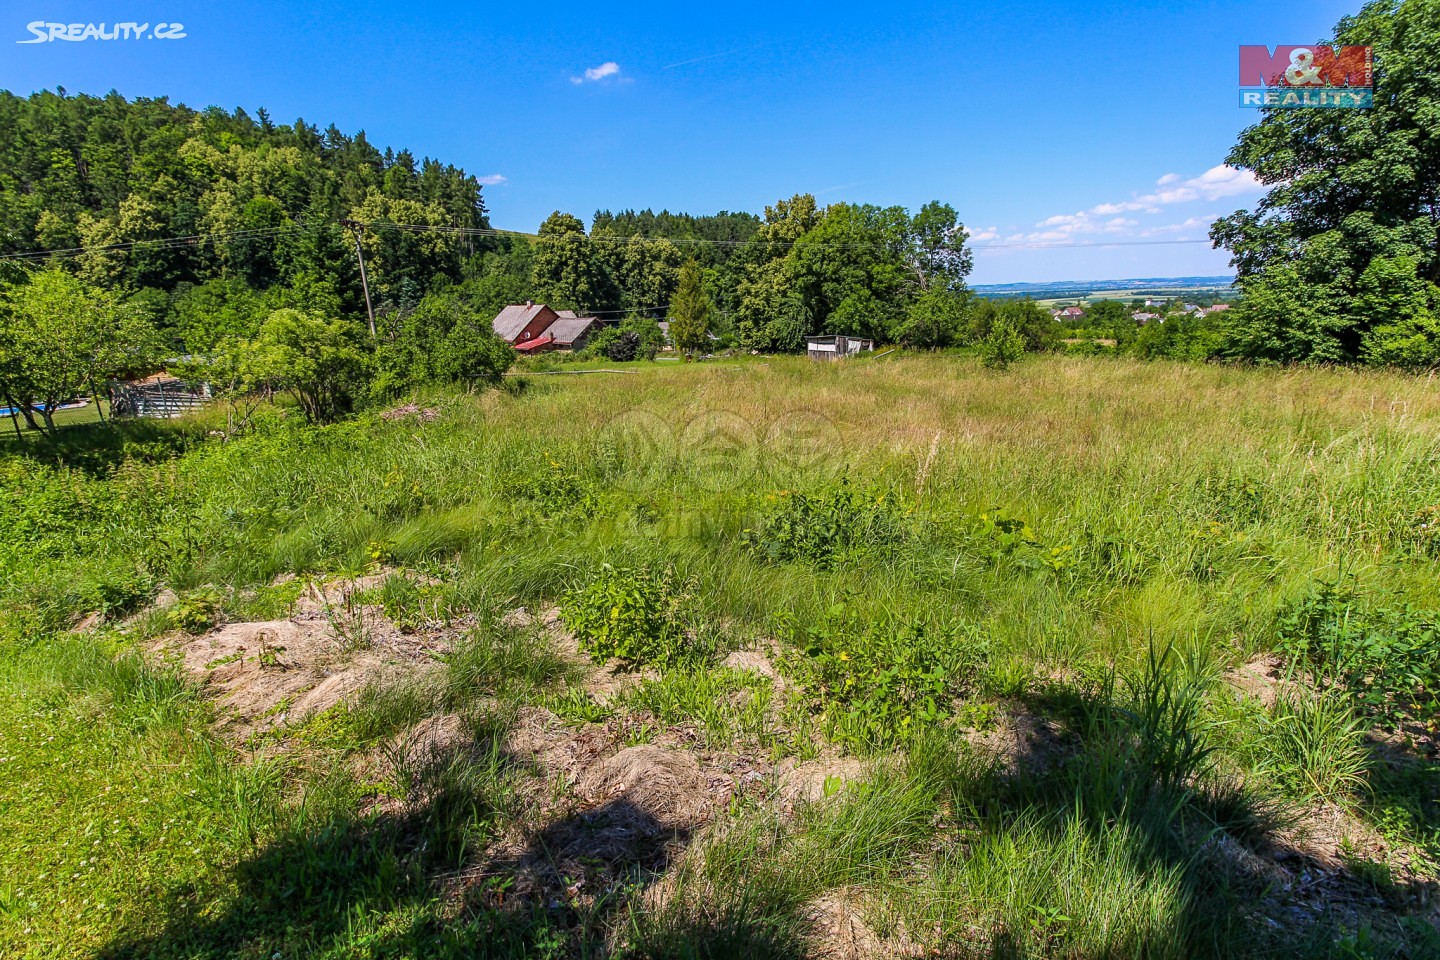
(895, 657)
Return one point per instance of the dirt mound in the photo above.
(435, 737)
(756, 661)
(601, 681)
(1022, 741)
(838, 931)
(271, 673)
(662, 785)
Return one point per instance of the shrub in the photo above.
(1002, 346)
(1007, 540)
(631, 615)
(553, 485)
(118, 594)
(197, 611)
(823, 529)
(879, 684)
(624, 347)
(1383, 659)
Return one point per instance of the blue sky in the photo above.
(1046, 123)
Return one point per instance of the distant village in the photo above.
(1143, 313)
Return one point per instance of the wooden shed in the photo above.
(836, 347)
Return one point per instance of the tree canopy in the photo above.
(61, 338)
(1339, 261)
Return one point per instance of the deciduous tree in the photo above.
(1346, 187)
(320, 360)
(61, 338)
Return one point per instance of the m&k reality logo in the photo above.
(1314, 75)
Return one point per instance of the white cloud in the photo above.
(607, 69)
(1189, 224)
(1223, 181)
(493, 180)
(1105, 218)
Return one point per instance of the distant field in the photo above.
(1125, 296)
(766, 658)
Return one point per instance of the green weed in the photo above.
(1315, 743)
(878, 684)
(837, 525)
(635, 616)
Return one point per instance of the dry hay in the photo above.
(434, 738)
(752, 661)
(662, 786)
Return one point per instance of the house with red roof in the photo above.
(535, 328)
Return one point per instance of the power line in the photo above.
(700, 241)
(1037, 245)
(157, 243)
(195, 240)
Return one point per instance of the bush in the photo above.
(631, 615)
(1383, 660)
(197, 612)
(834, 526)
(624, 347)
(1037, 329)
(118, 594)
(1002, 346)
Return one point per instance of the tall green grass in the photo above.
(1094, 543)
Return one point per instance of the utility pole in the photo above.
(359, 228)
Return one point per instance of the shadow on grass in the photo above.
(96, 448)
(1123, 766)
(396, 884)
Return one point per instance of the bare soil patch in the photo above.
(268, 674)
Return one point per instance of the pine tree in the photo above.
(690, 312)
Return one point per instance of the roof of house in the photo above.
(164, 376)
(509, 322)
(526, 346)
(570, 328)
